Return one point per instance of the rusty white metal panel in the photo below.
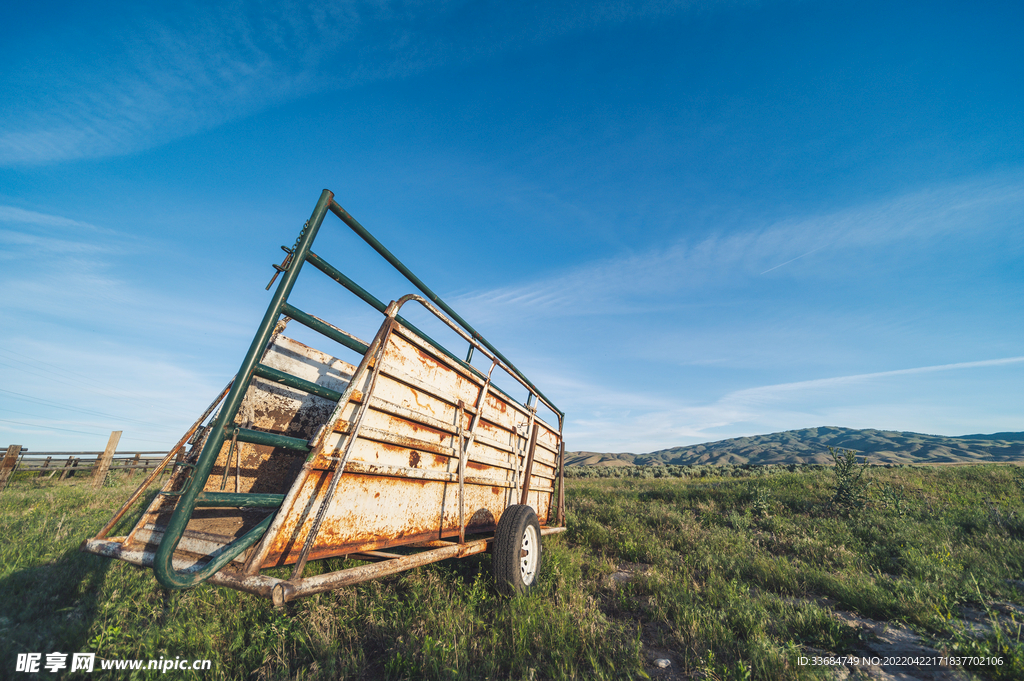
(409, 436)
(371, 512)
(442, 410)
(407, 352)
(420, 439)
(504, 422)
(401, 486)
(275, 408)
(269, 407)
(435, 391)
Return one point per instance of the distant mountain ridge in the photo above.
(1009, 437)
(810, 445)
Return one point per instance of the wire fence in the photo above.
(20, 464)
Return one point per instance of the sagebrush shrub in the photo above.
(849, 490)
(760, 501)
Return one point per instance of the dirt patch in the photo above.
(626, 572)
(887, 651)
(890, 651)
(654, 658)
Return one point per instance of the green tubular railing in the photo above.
(323, 328)
(263, 371)
(191, 495)
(243, 500)
(258, 437)
(165, 571)
(374, 302)
(433, 297)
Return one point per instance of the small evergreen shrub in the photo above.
(849, 489)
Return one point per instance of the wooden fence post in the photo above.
(68, 471)
(7, 467)
(135, 464)
(46, 464)
(99, 474)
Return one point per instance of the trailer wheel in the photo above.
(517, 550)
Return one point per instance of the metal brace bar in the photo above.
(377, 354)
(521, 463)
(156, 471)
(460, 410)
(465, 445)
(529, 463)
(227, 464)
(561, 485)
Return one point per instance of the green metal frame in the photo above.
(191, 496)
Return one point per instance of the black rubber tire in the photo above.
(518, 530)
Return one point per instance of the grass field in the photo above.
(731, 577)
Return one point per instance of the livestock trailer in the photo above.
(410, 456)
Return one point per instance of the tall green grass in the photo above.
(740, 565)
(730, 577)
(443, 621)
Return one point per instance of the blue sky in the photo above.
(683, 221)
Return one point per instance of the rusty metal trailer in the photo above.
(411, 456)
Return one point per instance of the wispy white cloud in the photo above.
(753, 397)
(77, 279)
(802, 255)
(14, 240)
(614, 417)
(644, 282)
(84, 334)
(43, 234)
(150, 79)
(14, 215)
(159, 78)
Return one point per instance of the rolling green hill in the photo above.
(810, 445)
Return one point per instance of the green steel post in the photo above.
(162, 566)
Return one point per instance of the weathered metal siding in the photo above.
(269, 407)
(275, 408)
(400, 484)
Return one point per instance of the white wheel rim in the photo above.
(528, 554)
